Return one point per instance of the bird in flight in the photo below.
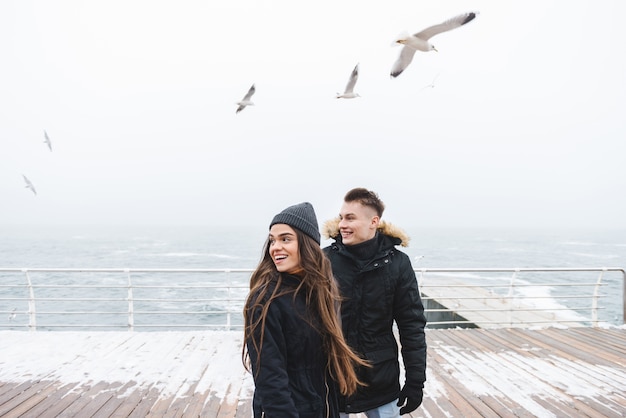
(47, 140)
(246, 100)
(29, 185)
(432, 84)
(349, 93)
(419, 40)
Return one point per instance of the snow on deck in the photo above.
(474, 372)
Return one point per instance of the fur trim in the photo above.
(331, 230)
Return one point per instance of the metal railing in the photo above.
(133, 299)
(521, 297)
(163, 299)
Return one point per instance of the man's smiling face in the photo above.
(357, 223)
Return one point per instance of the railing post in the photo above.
(32, 311)
(131, 315)
(229, 276)
(623, 297)
(594, 300)
(511, 296)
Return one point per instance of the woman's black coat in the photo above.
(290, 377)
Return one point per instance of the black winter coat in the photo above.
(376, 293)
(291, 378)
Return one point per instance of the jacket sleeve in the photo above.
(409, 316)
(270, 370)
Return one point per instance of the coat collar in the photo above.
(330, 229)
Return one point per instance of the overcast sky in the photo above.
(524, 125)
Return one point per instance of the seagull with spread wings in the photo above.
(29, 185)
(246, 100)
(47, 140)
(349, 93)
(419, 41)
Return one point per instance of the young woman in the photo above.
(294, 345)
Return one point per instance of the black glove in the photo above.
(413, 400)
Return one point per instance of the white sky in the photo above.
(524, 127)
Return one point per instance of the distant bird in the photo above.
(419, 41)
(13, 314)
(29, 185)
(47, 140)
(432, 84)
(349, 93)
(246, 100)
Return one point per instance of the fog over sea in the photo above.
(241, 247)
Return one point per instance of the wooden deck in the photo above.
(572, 372)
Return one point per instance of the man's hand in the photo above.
(410, 401)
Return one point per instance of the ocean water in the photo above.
(239, 247)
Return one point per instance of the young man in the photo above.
(378, 286)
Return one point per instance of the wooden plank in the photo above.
(145, 404)
(114, 402)
(458, 401)
(573, 406)
(4, 388)
(212, 407)
(457, 395)
(581, 373)
(131, 400)
(14, 397)
(244, 402)
(40, 392)
(227, 409)
(570, 350)
(617, 341)
(500, 404)
(83, 401)
(465, 369)
(167, 407)
(579, 405)
(100, 399)
(196, 404)
(244, 407)
(590, 347)
(56, 403)
(186, 350)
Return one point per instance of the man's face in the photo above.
(357, 223)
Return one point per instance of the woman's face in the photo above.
(283, 248)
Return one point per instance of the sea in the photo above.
(241, 247)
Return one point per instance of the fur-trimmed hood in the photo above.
(330, 229)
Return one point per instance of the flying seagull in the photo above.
(349, 91)
(432, 84)
(246, 100)
(47, 140)
(419, 40)
(29, 185)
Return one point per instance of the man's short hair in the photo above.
(366, 198)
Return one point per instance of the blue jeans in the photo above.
(390, 410)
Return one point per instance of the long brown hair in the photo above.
(322, 295)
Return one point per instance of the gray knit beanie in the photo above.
(301, 216)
